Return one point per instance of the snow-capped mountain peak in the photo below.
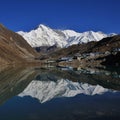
(43, 27)
(45, 36)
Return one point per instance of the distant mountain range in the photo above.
(45, 36)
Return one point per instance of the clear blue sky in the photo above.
(79, 15)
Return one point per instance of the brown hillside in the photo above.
(82, 48)
(106, 44)
(13, 47)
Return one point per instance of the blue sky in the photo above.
(79, 15)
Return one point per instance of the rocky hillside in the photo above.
(106, 44)
(13, 47)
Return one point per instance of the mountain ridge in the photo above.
(46, 36)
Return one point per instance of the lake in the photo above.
(33, 93)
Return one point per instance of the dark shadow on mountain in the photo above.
(112, 60)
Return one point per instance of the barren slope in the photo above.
(13, 47)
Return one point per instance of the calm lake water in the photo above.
(59, 94)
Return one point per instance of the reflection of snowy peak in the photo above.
(45, 36)
(47, 90)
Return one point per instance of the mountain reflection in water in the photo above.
(31, 93)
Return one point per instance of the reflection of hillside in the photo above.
(13, 81)
(107, 79)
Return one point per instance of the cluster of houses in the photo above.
(79, 57)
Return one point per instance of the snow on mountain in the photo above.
(85, 37)
(47, 90)
(45, 36)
